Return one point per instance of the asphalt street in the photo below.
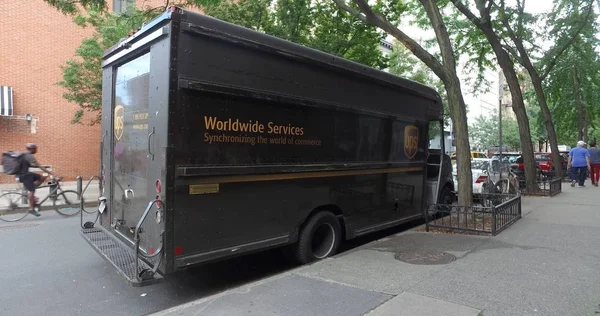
(48, 269)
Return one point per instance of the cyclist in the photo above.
(29, 179)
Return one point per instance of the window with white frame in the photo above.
(6, 101)
(120, 6)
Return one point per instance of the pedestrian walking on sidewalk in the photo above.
(579, 159)
(594, 162)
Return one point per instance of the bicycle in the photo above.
(501, 181)
(14, 206)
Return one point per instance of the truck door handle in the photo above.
(127, 193)
(149, 137)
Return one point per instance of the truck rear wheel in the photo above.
(446, 196)
(319, 238)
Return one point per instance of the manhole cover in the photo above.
(10, 227)
(425, 257)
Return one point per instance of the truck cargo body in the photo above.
(241, 138)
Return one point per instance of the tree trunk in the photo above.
(548, 123)
(446, 71)
(458, 114)
(508, 68)
(456, 103)
(523, 122)
(580, 110)
(537, 79)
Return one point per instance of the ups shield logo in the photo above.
(411, 141)
(119, 121)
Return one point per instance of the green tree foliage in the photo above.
(563, 31)
(470, 46)
(442, 60)
(404, 64)
(483, 132)
(317, 24)
(74, 7)
(82, 75)
(575, 75)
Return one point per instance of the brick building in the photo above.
(36, 41)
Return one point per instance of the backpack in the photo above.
(12, 162)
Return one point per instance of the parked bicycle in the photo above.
(501, 181)
(14, 205)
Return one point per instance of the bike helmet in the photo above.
(31, 146)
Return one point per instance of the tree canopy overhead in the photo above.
(551, 60)
(441, 59)
(317, 24)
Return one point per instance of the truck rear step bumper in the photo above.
(121, 257)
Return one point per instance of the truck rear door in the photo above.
(131, 187)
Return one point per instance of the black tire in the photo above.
(67, 203)
(12, 207)
(319, 238)
(446, 197)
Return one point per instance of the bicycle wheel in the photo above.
(67, 203)
(14, 206)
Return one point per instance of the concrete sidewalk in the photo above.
(546, 263)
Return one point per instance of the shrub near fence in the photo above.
(495, 213)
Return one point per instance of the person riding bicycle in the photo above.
(29, 179)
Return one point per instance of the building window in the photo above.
(120, 6)
(6, 101)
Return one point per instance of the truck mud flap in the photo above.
(121, 257)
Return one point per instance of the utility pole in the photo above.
(500, 88)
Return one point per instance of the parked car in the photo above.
(544, 160)
(507, 157)
(518, 168)
(479, 167)
(494, 149)
(564, 159)
(474, 154)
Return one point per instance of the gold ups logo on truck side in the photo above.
(411, 141)
(119, 121)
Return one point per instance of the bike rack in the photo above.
(146, 275)
(81, 191)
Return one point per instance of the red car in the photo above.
(544, 160)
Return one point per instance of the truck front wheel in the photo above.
(319, 238)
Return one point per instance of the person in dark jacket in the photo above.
(29, 179)
(594, 163)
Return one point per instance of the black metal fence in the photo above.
(545, 187)
(495, 213)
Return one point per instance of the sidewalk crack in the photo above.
(342, 283)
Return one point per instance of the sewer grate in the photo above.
(425, 257)
(11, 227)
